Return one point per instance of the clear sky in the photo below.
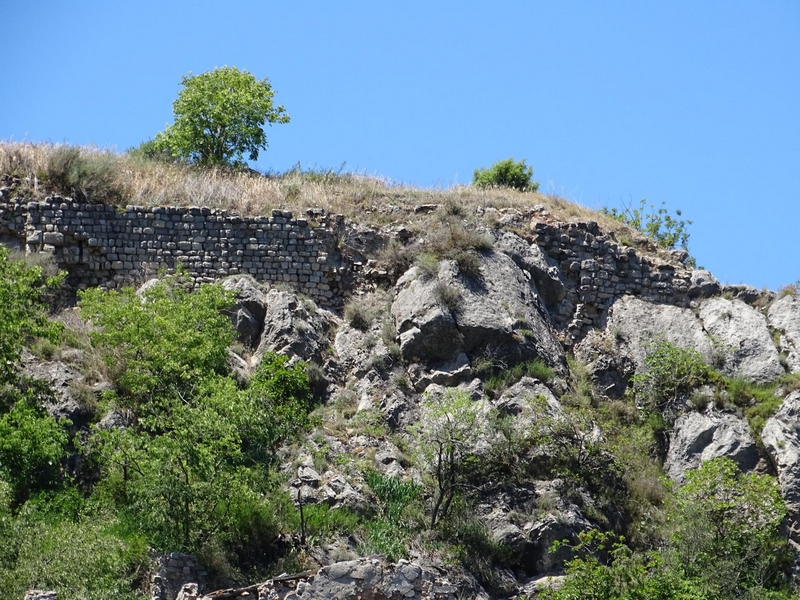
(695, 103)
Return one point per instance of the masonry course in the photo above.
(101, 245)
(107, 246)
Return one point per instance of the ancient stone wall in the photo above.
(101, 245)
(597, 270)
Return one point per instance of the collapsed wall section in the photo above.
(596, 270)
(101, 245)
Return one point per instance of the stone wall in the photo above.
(169, 573)
(597, 270)
(101, 245)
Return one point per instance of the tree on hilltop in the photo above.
(220, 116)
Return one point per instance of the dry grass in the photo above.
(366, 199)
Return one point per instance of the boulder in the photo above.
(64, 383)
(607, 361)
(636, 325)
(698, 437)
(247, 315)
(532, 259)
(742, 338)
(293, 328)
(426, 327)
(703, 284)
(501, 314)
(781, 438)
(784, 315)
(497, 314)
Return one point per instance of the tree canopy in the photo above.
(220, 117)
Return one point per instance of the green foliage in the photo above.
(506, 173)
(162, 343)
(32, 450)
(668, 231)
(729, 531)
(89, 558)
(389, 533)
(394, 494)
(446, 441)
(726, 544)
(606, 569)
(220, 116)
(23, 311)
(502, 378)
(671, 374)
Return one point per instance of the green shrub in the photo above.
(162, 343)
(667, 231)
(506, 173)
(23, 311)
(32, 450)
(446, 441)
(671, 375)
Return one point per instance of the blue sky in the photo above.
(696, 104)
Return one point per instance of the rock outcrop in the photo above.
(784, 315)
(743, 344)
(637, 324)
(498, 316)
(292, 327)
(781, 438)
(365, 578)
(698, 437)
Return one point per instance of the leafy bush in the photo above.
(729, 531)
(726, 544)
(32, 450)
(446, 440)
(23, 311)
(506, 173)
(667, 231)
(671, 374)
(220, 116)
(162, 343)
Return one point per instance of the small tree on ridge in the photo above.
(220, 116)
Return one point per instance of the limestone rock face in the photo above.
(637, 324)
(497, 314)
(784, 315)
(359, 351)
(742, 337)
(532, 259)
(250, 309)
(781, 437)
(607, 360)
(698, 437)
(63, 380)
(426, 328)
(367, 578)
(703, 284)
(291, 328)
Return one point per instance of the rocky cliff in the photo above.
(548, 325)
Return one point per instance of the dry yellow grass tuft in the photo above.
(127, 179)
